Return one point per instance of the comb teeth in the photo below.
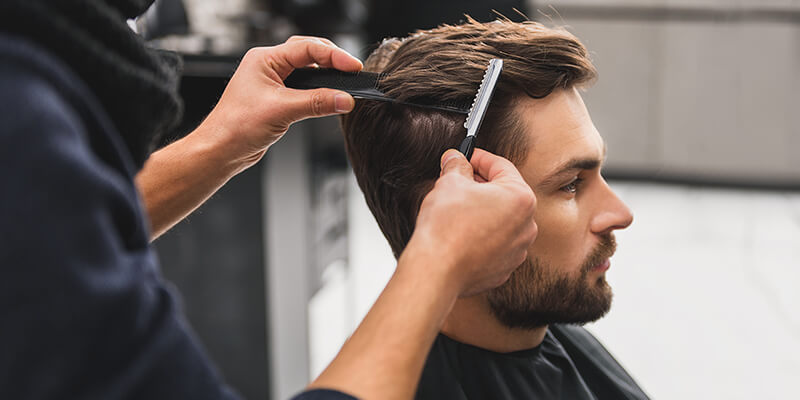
(484, 96)
(470, 115)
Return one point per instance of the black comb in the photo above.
(360, 85)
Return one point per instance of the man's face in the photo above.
(563, 280)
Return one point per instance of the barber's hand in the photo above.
(477, 222)
(256, 109)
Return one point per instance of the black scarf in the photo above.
(138, 86)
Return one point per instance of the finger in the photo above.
(299, 53)
(453, 162)
(296, 38)
(494, 168)
(301, 104)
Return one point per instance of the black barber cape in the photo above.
(569, 364)
(84, 313)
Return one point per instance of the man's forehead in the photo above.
(561, 133)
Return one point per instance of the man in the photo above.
(85, 312)
(515, 341)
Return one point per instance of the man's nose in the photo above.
(612, 213)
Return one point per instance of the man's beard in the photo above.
(535, 296)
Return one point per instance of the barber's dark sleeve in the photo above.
(323, 394)
(83, 311)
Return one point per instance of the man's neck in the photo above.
(472, 322)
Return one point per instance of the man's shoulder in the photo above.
(440, 375)
(579, 342)
(454, 369)
(595, 362)
(575, 334)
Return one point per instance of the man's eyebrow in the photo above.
(570, 166)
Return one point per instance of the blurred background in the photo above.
(698, 102)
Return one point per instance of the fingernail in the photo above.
(343, 103)
(449, 155)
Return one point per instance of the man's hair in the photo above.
(395, 149)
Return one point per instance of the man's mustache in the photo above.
(605, 249)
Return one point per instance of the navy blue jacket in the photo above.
(84, 312)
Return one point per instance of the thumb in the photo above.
(494, 168)
(302, 104)
(453, 162)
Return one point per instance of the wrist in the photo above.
(433, 266)
(217, 148)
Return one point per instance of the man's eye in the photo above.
(572, 187)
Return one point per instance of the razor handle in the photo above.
(467, 146)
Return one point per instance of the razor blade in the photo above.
(479, 106)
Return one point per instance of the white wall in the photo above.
(706, 298)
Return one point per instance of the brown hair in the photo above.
(395, 149)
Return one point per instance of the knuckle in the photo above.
(501, 279)
(255, 51)
(251, 53)
(430, 199)
(439, 186)
(255, 54)
(521, 257)
(314, 40)
(325, 40)
(460, 169)
(298, 38)
(524, 200)
(317, 103)
(529, 201)
(534, 231)
(445, 180)
(306, 40)
(505, 163)
(452, 181)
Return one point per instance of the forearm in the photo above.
(254, 111)
(385, 356)
(180, 177)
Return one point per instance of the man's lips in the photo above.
(603, 266)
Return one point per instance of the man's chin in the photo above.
(575, 307)
(514, 319)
